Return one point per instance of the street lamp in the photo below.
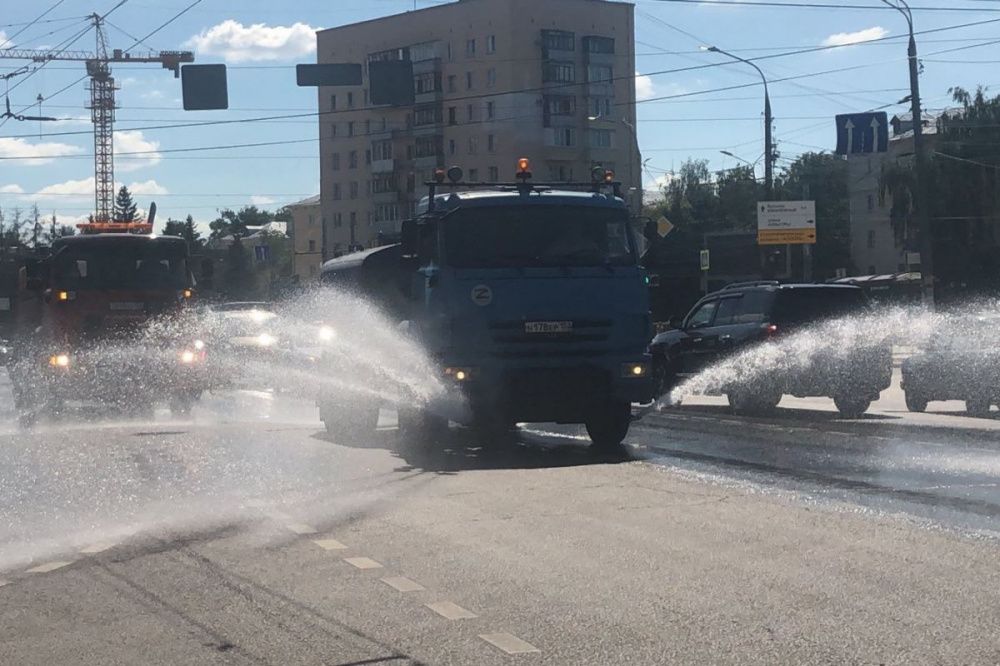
(737, 157)
(634, 144)
(923, 212)
(768, 120)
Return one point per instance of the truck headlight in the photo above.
(460, 374)
(188, 357)
(266, 340)
(635, 370)
(326, 334)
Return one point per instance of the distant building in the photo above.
(877, 246)
(550, 80)
(307, 236)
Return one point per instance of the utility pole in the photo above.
(919, 148)
(768, 121)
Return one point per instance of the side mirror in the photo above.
(676, 322)
(410, 238)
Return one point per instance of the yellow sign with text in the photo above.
(786, 237)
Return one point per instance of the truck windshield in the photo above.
(121, 266)
(537, 236)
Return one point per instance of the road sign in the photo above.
(705, 260)
(860, 133)
(204, 87)
(664, 227)
(786, 222)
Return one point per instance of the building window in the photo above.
(383, 184)
(559, 40)
(312, 220)
(338, 220)
(468, 80)
(312, 246)
(368, 156)
(871, 203)
(600, 107)
(350, 128)
(449, 52)
(470, 113)
(560, 105)
(558, 72)
(368, 127)
(427, 115)
(336, 191)
(335, 162)
(427, 146)
(599, 73)
(354, 189)
(354, 219)
(494, 174)
(565, 136)
(491, 110)
(452, 83)
(491, 77)
(427, 83)
(352, 159)
(333, 130)
(474, 175)
(382, 150)
(473, 145)
(470, 47)
(871, 241)
(350, 100)
(451, 147)
(333, 102)
(594, 44)
(452, 115)
(560, 172)
(491, 143)
(491, 44)
(600, 138)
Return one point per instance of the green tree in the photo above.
(57, 230)
(235, 223)
(125, 209)
(822, 177)
(191, 233)
(239, 280)
(173, 227)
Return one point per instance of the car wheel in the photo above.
(915, 403)
(978, 406)
(748, 403)
(852, 407)
(609, 426)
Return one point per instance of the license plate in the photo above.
(548, 327)
(127, 307)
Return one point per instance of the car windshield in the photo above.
(138, 266)
(537, 235)
(806, 305)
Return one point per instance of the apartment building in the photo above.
(551, 80)
(307, 237)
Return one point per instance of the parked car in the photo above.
(961, 362)
(743, 315)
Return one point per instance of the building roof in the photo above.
(311, 201)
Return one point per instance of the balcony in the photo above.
(383, 166)
(385, 197)
(428, 162)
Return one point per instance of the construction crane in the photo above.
(102, 101)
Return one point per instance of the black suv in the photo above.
(767, 313)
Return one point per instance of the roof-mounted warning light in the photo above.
(523, 169)
(597, 174)
(438, 175)
(455, 174)
(609, 176)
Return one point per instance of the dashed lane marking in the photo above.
(329, 544)
(451, 611)
(49, 566)
(403, 584)
(301, 528)
(97, 548)
(363, 562)
(509, 643)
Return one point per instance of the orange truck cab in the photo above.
(104, 319)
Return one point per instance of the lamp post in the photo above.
(633, 146)
(921, 195)
(768, 120)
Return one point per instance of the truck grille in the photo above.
(511, 341)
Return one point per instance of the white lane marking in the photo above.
(403, 584)
(451, 611)
(97, 548)
(329, 544)
(49, 566)
(509, 643)
(363, 562)
(4, 582)
(301, 528)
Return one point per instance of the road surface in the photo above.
(246, 536)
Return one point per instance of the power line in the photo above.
(821, 5)
(31, 23)
(163, 25)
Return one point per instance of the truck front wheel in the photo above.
(609, 425)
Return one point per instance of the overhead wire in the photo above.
(11, 39)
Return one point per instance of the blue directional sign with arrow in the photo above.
(861, 133)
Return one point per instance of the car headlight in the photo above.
(199, 345)
(266, 340)
(326, 334)
(635, 370)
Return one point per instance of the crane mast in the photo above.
(102, 102)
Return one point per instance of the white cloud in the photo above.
(239, 43)
(848, 38)
(152, 95)
(31, 154)
(644, 87)
(261, 200)
(147, 188)
(84, 189)
(11, 189)
(132, 141)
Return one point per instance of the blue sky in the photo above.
(688, 123)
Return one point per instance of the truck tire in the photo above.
(609, 426)
(915, 402)
(349, 423)
(852, 407)
(418, 426)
